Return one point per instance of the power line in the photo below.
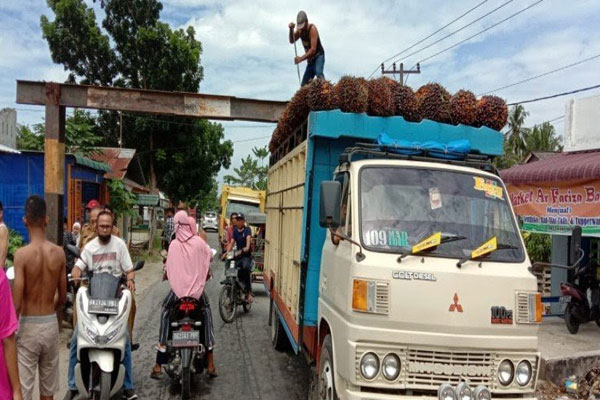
(554, 95)
(249, 140)
(458, 30)
(427, 37)
(480, 32)
(542, 75)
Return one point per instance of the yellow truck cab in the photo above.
(400, 271)
(238, 199)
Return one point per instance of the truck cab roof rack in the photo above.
(370, 151)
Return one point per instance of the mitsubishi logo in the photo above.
(455, 306)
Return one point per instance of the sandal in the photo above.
(156, 374)
(212, 374)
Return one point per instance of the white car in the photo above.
(210, 221)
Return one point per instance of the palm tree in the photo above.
(516, 132)
(543, 138)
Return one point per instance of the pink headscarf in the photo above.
(188, 260)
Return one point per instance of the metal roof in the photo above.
(6, 149)
(100, 166)
(117, 158)
(561, 167)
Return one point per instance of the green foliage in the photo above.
(539, 246)
(121, 200)
(210, 200)
(135, 49)
(15, 241)
(253, 171)
(80, 135)
(543, 138)
(517, 131)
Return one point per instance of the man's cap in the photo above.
(301, 19)
(240, 216)
(92, 203)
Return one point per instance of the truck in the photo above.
(398, 270)
(238, 199)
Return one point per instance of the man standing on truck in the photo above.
(313, 49)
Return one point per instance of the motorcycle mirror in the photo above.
(74, 250)
(10, 273)
(575, 247)
(138, 265)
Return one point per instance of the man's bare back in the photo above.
(40, 270)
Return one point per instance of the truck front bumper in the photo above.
(359, 395)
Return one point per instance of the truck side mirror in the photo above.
(331, 194)
(575, 247)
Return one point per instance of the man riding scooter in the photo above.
(106, 254)
(242, 239)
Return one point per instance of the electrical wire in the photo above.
(542, 75)
(427, 37)
(554, 95)
(480, 32)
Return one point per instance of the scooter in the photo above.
(579, 308)
(102, 313)
(232, 292)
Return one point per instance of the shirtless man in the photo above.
(40, 271)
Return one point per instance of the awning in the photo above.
(561, 167)
(99, 166)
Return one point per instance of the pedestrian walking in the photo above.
(40, 272)
(10, 386)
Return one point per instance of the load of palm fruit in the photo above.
(491, 112)
(433, 102)
(381, 99)
(352, 94)
(298, 108)
(463, 107)
(321, 95)
(405, 103)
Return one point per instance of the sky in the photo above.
(246, 52)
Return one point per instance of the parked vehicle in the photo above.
(399, 272)
(210, 221)
(238, 199)
(102, 333)
(232, 292)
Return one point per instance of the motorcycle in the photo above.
(102, 312)
(579, 308)
(232, 292)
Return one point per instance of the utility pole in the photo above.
(120, 129)
(400, 71)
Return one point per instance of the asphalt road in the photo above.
(248, 366)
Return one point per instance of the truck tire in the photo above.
(278, 336)
(326, 382)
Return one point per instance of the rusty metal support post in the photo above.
(54, 162)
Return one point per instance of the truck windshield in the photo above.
(400, 207)
(242, 207)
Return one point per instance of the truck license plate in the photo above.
(564, 299)
(186, 339)
(103, 306)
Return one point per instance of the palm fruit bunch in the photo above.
(352, 94)
(463, 106)
(381, 99)
(405, 103)
(433, 102)
(284, 128)
(491, 112)
(274, 143)
(321, 95)
(298, 107)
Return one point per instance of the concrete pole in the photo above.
(54, 162)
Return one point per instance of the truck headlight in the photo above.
(482, 393)
(390, 367)
(523, 373)
(506, 371)
(446, 392)
(369, 366)
(363, 295)
(464, 392)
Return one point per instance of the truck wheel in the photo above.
(278, 336)
(571, 320)
(326, 383)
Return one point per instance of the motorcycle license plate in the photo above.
(564, 299)
(103, 306)
(185, 339)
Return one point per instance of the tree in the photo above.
(122, 201)
(253, 171)
(210, 201)
(543, 138)
(136, 50)
(516, 130)
(80, 135)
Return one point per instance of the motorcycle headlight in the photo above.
(112, 334)
(446, 392)
(464, 392)
(523, 373)
(390, 367)
(506, 371)
(90, 332)
(369, 366)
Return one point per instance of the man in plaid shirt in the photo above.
(169, 228)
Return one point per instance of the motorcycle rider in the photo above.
(187, 269)
(242, 238)
(106, 253)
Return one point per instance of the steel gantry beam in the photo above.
(57, 96)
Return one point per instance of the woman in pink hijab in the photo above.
(187, 268)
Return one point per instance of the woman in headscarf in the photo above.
(187, 269)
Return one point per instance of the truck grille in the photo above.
(382, 298)
(523, 308)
